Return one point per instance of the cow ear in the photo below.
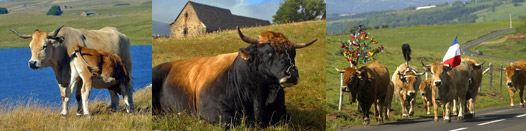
(427, 68)
(244, 54)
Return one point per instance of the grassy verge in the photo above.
(304, 101)
(133, 21)
(32, 115)
(429, 44)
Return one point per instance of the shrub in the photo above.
(54, 10)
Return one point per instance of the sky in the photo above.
(166, 10)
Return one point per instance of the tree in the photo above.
(299, 10)
(54, 10)
(3, 10)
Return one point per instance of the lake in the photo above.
(18, 82)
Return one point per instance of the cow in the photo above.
(226, 87)
(406, 80)
(52, 50)
(516, 80)
(370, 85)
(474, 84)
(425, 91)
(99, 69)
(449, 85)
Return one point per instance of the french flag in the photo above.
(452, 56)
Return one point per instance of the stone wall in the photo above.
(187, 22)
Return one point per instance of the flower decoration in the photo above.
(358, 50)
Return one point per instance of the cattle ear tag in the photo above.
(244, 54)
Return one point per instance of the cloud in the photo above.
(166, 10)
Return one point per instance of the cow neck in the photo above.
(59, 62)
(242, 79)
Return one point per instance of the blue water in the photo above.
(19, 83)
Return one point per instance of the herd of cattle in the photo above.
(459, 86)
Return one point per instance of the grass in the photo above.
(501, 12)
(305, 101)
(428, 44)
(32, 115)
(134, 21)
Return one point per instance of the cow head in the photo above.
(511, 76)
(409, 77)
(439, 76)
(353, 79)
(273, 56)
(42, 46)
(423, 87)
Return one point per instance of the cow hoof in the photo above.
(365, 122)
(459, 118)
(63, 116)
(522, 105)
(404, 115)
(436, 120)
(428, 113)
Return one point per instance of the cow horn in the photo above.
(301, 45)
(480, 64)
(57, 30)
(422, 63)
(419, 74)
(517, 69)
(247, 39)
(20, 35)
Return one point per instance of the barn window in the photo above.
(185, 31)
(186, 14)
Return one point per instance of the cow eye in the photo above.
(269, 54)
(44, 46)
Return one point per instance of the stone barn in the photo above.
(196, 18)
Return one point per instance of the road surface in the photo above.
(494, 119)
(466, 47)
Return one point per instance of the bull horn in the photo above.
(446, 65)
(517, 69)
(248, 40)
(57, 30)
(480, 63)
(301, 45)
(20, 35)
(419, 74)
(422, 63)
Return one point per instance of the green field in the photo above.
(305, 101)
(428, 44)
(134, 21)
(501, 13)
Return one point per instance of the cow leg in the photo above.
(402, 104)
(114, 100)
(512, 93)
(78, 96)
(85, 92)
(455, 102)
(462, 103)
(521, 94)
(411, 105)
(447, 112)
(67, 92)
(365, 110)
(127, 96)
(435, 107)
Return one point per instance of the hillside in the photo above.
(428, 44)
(132, 20)
(455, 13)
(355, 7)
(160, 28)
(305, 101)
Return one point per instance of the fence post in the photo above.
(500, 80)
(482, 68)
(490, 76)
(341, 92)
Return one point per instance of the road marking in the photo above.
(485, 123)
(463, 128)
(521, 115)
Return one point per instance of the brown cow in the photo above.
(99, 69)
(425, 91)
(406, 80)
(450, 84)
(370, 84)
(474, 85)
(516, 80)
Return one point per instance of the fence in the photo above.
(488, 70)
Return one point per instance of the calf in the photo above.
(99, 69)
(474, 84)
(516, 79)
(425, 91)
(406, 80)
(450, 84)
(370, 84)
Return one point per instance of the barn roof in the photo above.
(215, 18)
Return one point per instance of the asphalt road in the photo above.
(465, 48)
(493, 119)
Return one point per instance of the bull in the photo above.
(516, 80)
(52, 50)
(370, 85)
(226, 87)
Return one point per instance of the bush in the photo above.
(54, 10)
(3, 10)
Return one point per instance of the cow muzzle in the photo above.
(290, 77)
(509, 83)
(411, 93)
(438, 83)
(34, 64)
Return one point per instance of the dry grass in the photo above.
(305, 101)
(34, 115)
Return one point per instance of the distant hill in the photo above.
(160, 28)
(361, 6)
(446, 13)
